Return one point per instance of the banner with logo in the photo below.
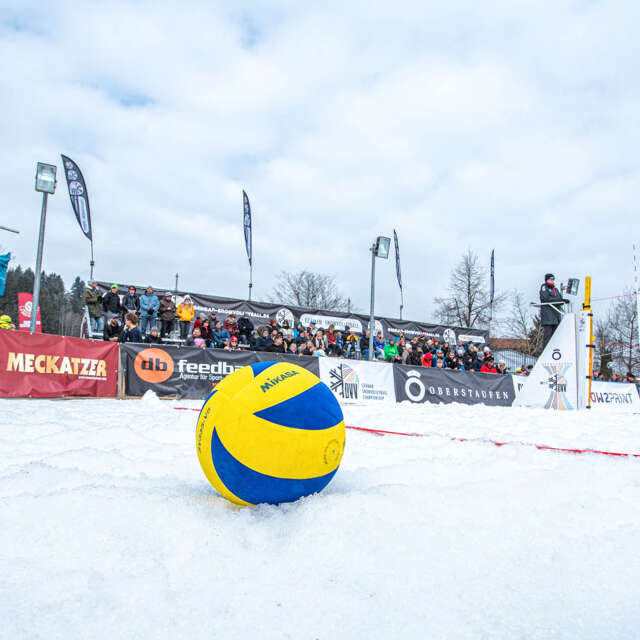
(553, 383)
(45, 366)
(617, 396)
(4, 264)
(423, 384)
(356, 381)
(189, 372)
(261, 312)
(25, 303)
(78, 194)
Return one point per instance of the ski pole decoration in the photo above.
(79, 200)
(395, 241)
(247, 237)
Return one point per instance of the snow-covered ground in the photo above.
(109, 529)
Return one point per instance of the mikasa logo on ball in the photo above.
(272, 382)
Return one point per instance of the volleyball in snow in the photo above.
(270, 432)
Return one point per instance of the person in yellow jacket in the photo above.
(5, 323)
(185, 313)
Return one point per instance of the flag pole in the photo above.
(250, 278)
(91, 263)
(401, 302)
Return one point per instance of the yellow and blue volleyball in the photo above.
(270, 432)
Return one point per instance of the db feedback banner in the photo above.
(188, 372)
(46, 366)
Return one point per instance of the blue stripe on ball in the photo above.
(313, 409)
(254, 487)
(259, 367)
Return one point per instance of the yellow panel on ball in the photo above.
(270, 432)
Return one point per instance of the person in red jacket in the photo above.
(231, 325)
(488, 366)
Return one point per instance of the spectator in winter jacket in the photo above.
(153, 337)
(488, 366)
(112, 329)
(185, 312)
(221, 336)
(167, 314)
(415, 357)
(550, 314)
(149, 305)
(320, 343)
(231, 325)
(332, 339)
(207, 333)
(233, 344)
(131, 301)
(277, 346)
(199, 320)
(350, 343)
(292, 350)
(378, 346)
(111, 303)
(245, 329)
(93, 299)
(131, 332)
(264, 340)
(287, 331)
(427, 359)
(364, 345)
(391, 351)
(5, 323)
(195, 339)
(502, 367)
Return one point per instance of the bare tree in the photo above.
(621, 325)
(467, 304)
(307, 289)
(521, 323)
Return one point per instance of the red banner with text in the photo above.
(46, 366)
(25, 302)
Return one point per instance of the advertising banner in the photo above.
(617, 396)
(356, 381)
(188, 372)
(553, 383)
(260, 313)
(45, 366)
(78, 194)
(422, 384)
(25, 302)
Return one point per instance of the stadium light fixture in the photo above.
(46, 178)
(379, 249)
(45, 184)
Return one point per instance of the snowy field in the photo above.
(109, 529)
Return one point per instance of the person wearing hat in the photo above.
(112, 329)
(167, 314)
(488, 366)
(233, 344)
(245, 329)
(93, 300)
(149, 305)
(550, 313)
(131, 301)
(111, 303)
(185, 312)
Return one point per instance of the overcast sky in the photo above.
(511, 125)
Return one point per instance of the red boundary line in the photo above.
(497, 443)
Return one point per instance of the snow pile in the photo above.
(108, 528)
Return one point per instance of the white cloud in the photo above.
(509, 124)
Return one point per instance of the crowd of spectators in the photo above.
(153, 319)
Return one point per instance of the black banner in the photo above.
(247, 225)
(261, 312)
(78, 194)
(423, 384)
(189, 372)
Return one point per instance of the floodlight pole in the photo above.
(373, 295)
(36, 282)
